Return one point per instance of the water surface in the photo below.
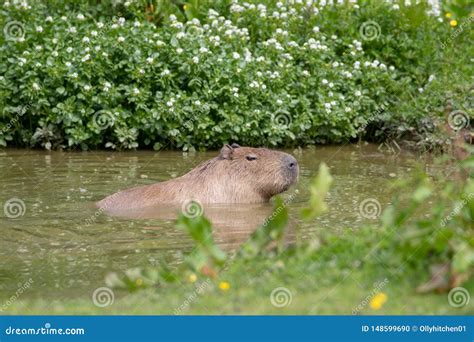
(67, 246)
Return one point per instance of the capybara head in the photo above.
(267, 172)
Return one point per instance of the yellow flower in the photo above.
(378, 301)
(448, 15)
(185, 7)
(453, 23)
(192, 278)
(139, 281)
(224, 286)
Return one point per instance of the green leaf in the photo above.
(319, 188)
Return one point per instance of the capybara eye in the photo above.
(251, 157)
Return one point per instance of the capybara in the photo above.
(237, 175)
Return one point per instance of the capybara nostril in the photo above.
(291, 162)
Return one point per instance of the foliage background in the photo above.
(195, 75)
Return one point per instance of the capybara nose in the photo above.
(290, 162)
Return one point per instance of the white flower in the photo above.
(39, 29)
(54, 54)
(197, 103)
(235, 90)
(137, 24)
(72, 29)
(97, 48)
(279, 102)
(100, 24)
(121, 20)
(165, 72)
(105, 54)
(136, 91)
(121, 39)
(316, 29)
(347, 109)
(87, 87)
(396, 7)
(179, 51)
(160, 43)
(203, 50)
(431, 78)
(86, 58)
(93, 33)
(305, 73)
(64, 18)
(141, 71)
(55, 41)
(324, 81)
(38, 48)
(327, 105)
(169, 103)
(235, 55)
(335, 64)
(49, 19)
(74, 75)
(334, 37)
(150, 60)
(195, 60)
(331, 85)
(391, 68)
(107, 84)
(420, 90)
(85, 40)
(80, 16)
(173, 17)
(35, 86)
(180, 35)
(358, 93)
(68, 64)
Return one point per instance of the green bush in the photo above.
(274, 74)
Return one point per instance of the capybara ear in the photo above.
(226, 152)
(234, 145)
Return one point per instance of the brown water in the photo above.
(62, 242)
